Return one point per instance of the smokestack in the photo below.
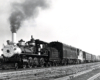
(14, 37)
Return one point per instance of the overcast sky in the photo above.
(73, 22)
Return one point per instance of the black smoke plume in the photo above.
(25, 10)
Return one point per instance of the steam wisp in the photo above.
(25, 10)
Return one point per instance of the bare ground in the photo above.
(47, 73)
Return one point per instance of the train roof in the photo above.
(40, 41)
(65, 45)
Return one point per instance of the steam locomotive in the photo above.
(35, 53)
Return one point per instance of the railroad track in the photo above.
(21, 69)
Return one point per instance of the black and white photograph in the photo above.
(49, 39)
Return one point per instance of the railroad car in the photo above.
(97, 58)
(93, 58)
(87, 57)
(54, 57)
(67, 54)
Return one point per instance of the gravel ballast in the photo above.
(47, 73)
